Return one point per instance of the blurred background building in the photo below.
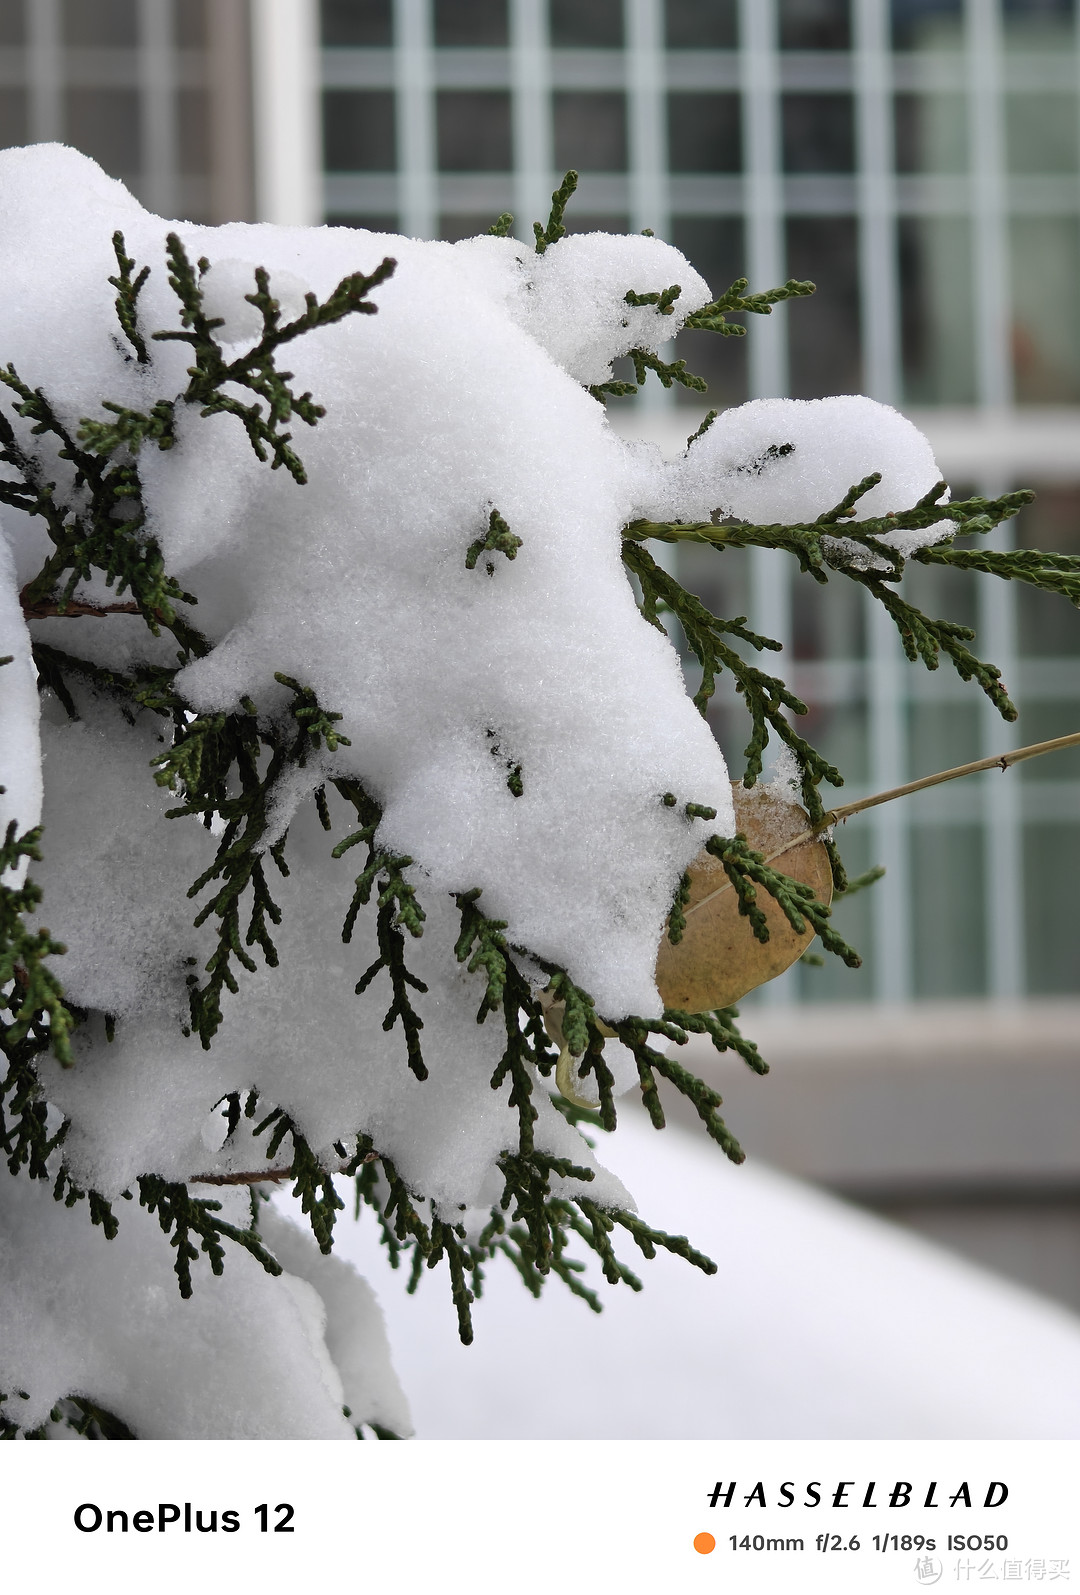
(920, 161)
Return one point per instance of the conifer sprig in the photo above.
(663, 299)
(926, 639)
(1052, 573)
(555, 230)
(314, 1184)
(766, 697)
(90, 1420)
(735, 301)
(97, 525)
(823, 544)
(30, 993)
(211, 372)
(25, 1139)
(634, 1033)
(397, 911)
(188, 1219)
(747, 871)
(499, 539)
(211, 756)
(128, 288)
(482, 942)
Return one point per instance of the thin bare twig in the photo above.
(45, 608)
(252, 1177)
(998, 761)
(267, 1176)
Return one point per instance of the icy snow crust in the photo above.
(461, 395)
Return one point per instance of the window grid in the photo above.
(166, 109)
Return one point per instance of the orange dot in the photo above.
(704, 1543)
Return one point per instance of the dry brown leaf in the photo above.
(719, 959)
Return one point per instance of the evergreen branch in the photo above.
(735, 301)
(926, 639)
(634, 1033)
(1051, 573)
(669, 372)
(25, 1140)
(819, 551)
(131, 429)
(446, 1242)
(747, 870)
(408, 1227)
(29, 991)
(314, 1184)
(517, 1057)
(210, 754)
(499, 539)
(128, 289)
(535, 1241)
(766, 696)
(868, 878)
(617, 390)
(663, 300)
(397, 911)
(491, 954)
(601, 1223)
(89, 1420)
(676, 922)
(72, 1411)
(722, 1030)
(186, 1219)
(593, 1062)
(648, 1239)
(275, 403)
(107, 534)
(559, 201)
(316, 725)
(502, 227)
(815, 544)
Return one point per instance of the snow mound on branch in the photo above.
(575, 300)
(783, 461)
(248, 1357)
(142, 1102)
(440, 408)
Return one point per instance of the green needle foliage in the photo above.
(499, 539)
(824, 548)
(29, 991)
(222, 767)
(546, 236)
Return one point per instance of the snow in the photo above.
(463, 395)
(247, 1358)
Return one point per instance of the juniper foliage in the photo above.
(222, 766)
